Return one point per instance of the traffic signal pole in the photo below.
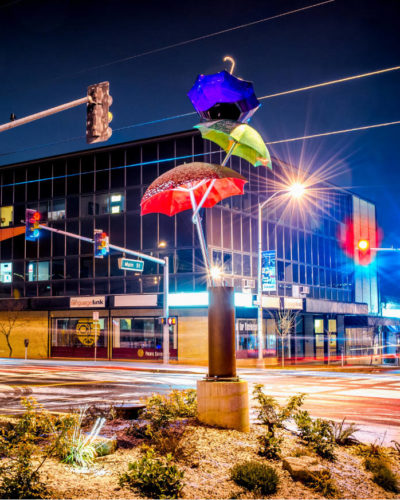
(163, 262)
(43, 114)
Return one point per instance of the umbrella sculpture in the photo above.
(238, 139)
(189, 186)
(231, 101)
(223, 95)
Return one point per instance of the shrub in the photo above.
(271, 413)
(153, 477)
(161, 410)
(324, 484)
(175, 440)
(317, 434)
(382, 474)
(374, 450)
(256, 477)
(270, 445)
(300, 451)
(343, 433)
(19, 479)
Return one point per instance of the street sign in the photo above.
(131, 264)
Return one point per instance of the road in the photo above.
(371, 400)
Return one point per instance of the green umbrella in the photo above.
(238, 139)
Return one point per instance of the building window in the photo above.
(38, 271)
(6, 216)
(108, 204)
(6, 272)
(58, 210)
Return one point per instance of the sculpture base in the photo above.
(224, 404)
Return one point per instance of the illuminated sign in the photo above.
(96, 301)
(268, 271)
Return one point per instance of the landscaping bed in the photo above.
(205, 456)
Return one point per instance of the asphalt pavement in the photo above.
(368, 396)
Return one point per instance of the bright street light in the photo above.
(295, 190)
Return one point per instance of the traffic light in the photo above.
(364, 252)
(170, 321)
(101, 243)
(98, 115)
(32, 221)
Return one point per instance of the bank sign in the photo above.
(268, 271)
(89, 302)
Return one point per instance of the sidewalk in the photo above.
(191, 369)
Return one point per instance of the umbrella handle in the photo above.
(199, 206)
(228, 154)
(232, 61)
(202, 241)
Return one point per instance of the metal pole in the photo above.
(166, 313)
(260, 359)
(43, 114)
(200, 234)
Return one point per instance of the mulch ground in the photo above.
(207, 471)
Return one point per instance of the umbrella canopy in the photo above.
(177, 189)
(246, 141)
(222, 95)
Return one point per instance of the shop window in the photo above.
(332, 328)
(6, 272)
(58, 210)
(6, 216)
(137, 333)
(38, 270)
(318, 325)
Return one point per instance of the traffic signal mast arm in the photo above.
(98, 114)
(114, 247)
(43, 114)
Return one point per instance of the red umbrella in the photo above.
(192, 185)
(175, 191)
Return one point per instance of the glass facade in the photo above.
(102, 189)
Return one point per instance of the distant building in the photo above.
(58, 283)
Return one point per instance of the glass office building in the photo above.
(102, 188)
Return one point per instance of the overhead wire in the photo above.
(203, 37)
(335, 132)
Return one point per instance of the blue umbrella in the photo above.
(223, 96)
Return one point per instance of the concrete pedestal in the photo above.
(224, 404)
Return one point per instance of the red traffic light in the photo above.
(363, 245)
(36, 216)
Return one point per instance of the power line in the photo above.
(185, 157)
(335, 132)
(203, 37)
(331, 82)
(182, 115)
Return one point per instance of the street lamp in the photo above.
(295, 190)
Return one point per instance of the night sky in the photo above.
(50, 51)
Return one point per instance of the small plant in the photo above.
(161, 410)
(382, 474)
(153, 477)
(301, 451)
(255, 476)
(176, 440)
(19, 478)
(271, 413)
(396, 445)
(77, 448)
(374, 450)
(316, 433)
(324, 484)
(343, 433)
(270, 445)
